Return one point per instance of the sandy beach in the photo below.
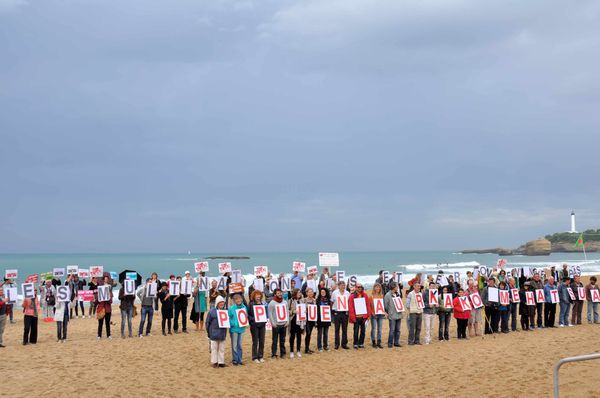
(512, 365)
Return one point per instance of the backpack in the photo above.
(50, 299)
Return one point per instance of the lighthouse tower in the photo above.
(573, 230)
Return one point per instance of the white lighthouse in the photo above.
(573, 230)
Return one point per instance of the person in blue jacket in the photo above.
(236, 331)
(216, 334)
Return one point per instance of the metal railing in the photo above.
(567, 360)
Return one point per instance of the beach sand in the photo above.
(517, 364)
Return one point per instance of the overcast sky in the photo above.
(142, 125)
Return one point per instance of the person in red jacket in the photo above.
(359, 311)
(462, 317)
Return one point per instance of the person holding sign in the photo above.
(377, 315)
(310, 304)
(93, 286)
(31, 309)
(48, 296)
(278, 315)
(526, 310)
(513, 308)
(166, 307)
(445, 313)
(104, 307)
(359, 311)
(475, 319)
(592, 294)
(3, 307)
(461, 316)
(394, 315)
(578, 302)
(257, 316)
(323, 306)
(147, 311)
(126, 305)
(297, 311)
(549, 305)
(565, 301)
(431, 301)
(216, 334)
(61, 317)
(537, 284)
(199, 306)
(238, 319)
(339, 307)
(503, 307)
(415, 310)
(180, 303)
(490, 301)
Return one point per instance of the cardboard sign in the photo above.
(223, 319)
(113, 274)
(63, 293)
(28, 290)
(85, 295)
(399, 277)
(236, 288)
(465, 304)
(285, 284)
(433, 297)
(554, 296)
(539, 295)
(261, 270)
(203, 283)
(58, 272)
(515, 295)
(340, 275)
(476, 300)
(103, 293)
(151, 289)
(236, 276)
(201, 266)
(483, 270)
(352, 280)
(131, 275)
(72, 269)
(571, 294)
(378, 306)
(281, 313)
(312, 269)
(242, 317)
(311, 284)
(311, 312)
(259, 284)
(11, 273)
(223, 268)
(342, 302)
(501, 263)
(174, 288)
(273, 284)
(419, 300)
(504, 297)
(11, 294)
(329, 260)
(398, 304)
(595, 293)
(260, 313)
(32, 278)
(529, 298)
(448, 300)
(301, 312)
(96, 271)
(46, 276)
(129, 287)
(325, 312)
(83, 273)
(442, 280)
(360, 306)
(187, 286)
(298, 266)
(493, 294)
(385, 277)
(222, 283)
(581, 293)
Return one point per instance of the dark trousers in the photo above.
(549, 314)
(322, 337)
(61, 328)
(461, 328)
(504, 314)
(106, 321)
(492, 317)
(513, 316)
(92, 308)
(166, 322)
(576, 312)
(340, 320)
(80, 304)
(31, 329)
(359, 332)
(295, 336)
(308, 330)
(539, 309)
(444, 318)
(414, 328)
(180, 309)
(258, 340)
(278, 334)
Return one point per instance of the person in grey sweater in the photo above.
(147, 308)
(394, 316)
(278, 306)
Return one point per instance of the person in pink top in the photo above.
(31, 309)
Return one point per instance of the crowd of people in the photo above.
(496, 302)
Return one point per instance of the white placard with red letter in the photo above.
(571, 293)
(58, 272)
(581, 293)
(325, 311)
(504, 297)
(72, 269)
(515, 295)
(419, 300)
(281, 312)
(378, 306)
(448, 300)
(260, 314)
(554, 296)
(313, 269)
(301, 312)
(201, 266)
(342, 302)
(433, 297)
(96, 271)
(398, 304)
(539, 295)
(465, 304)
(298, 266)
(360, 306)
(329, 259)
(476, 300)
(311, 312)
(595, 295)
(83, 273)
(529, 298)
(224, 267)
(11, 274)
(223, 318)
(261, 270)
(242, 317)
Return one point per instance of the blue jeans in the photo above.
(376, 323)
(126, 315)
(236, 347)
(592, 306)
(394, 336)
(149, 312)
(563, 317)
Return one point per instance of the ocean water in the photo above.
(364, 264)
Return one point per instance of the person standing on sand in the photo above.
(323, 326)
(198, 307)
(93, 286)
(394, 317)
(590, 291)
(429, 311)
(503, 309)
(492, 316)
(166, 307)
(104, 310)
(61, 317)
(376, 320)
(527, 311)
(565, 302)
(31, 309)
(340, 316)
(415, 315)
(309, 300)
(536, 283)
(279, 328)
(513, 308)
(126, 307)
(236, 331)
(475, 320)
(444, 316)
(181, 303)
(296, 325)
(359, 320)
(549, 306)
(257, 329)
(462, 317)
(154, 278)
(216, 335)
(147, 311)
(578, 302)
(3, 307)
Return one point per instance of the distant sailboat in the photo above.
(189, 252)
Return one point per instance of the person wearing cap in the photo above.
(216, 334)
(394, 317)
(340, 316)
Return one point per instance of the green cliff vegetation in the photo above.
(568, 237)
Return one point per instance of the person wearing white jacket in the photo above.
(61, 317)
